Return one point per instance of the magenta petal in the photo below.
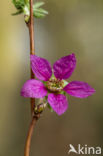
(58, 102)
(41, 67)
(79, 89)
(33, 89)
(64, 67)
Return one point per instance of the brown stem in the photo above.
(32, 48)
(32, 100)
(30, 133)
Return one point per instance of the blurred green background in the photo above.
(71, 26)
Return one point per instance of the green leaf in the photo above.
(39, 13)
(17, 13)
(23, 7)
(43, 11)
(19, 4)
(38, 5)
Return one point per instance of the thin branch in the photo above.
(35, 117)
(32, 47)
(32, 100)
(30, 133)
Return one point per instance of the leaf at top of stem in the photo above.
(39, 13)
(23, 6)
(38, 5)
(19, 4)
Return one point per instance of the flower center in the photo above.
(54, 85)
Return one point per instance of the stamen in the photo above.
(54, 85)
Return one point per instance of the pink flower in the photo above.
(55, 85)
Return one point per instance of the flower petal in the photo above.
(33, 89)
(64, 67)
(58, 102)
(41, 67)
(79, 89)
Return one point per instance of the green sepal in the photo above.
(51, 109)
(62, 92)
(53, 76)
(65, 83)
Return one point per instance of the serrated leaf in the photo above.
(38, 5)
